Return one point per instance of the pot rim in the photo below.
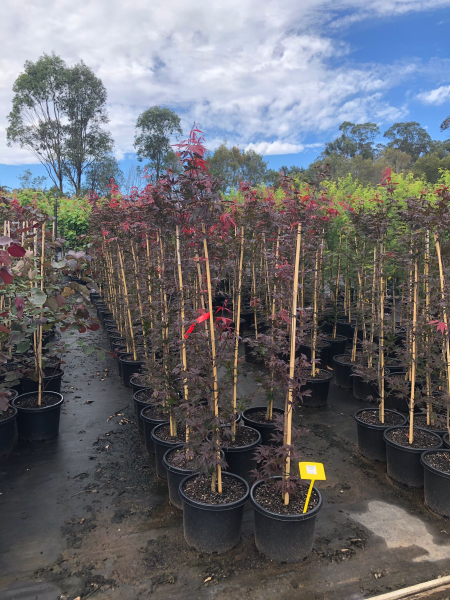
(267, 425)
(277, 516)
(379, 427)
(130, 362)
(149, 419)
(60, 374)
(38, 409)
(215, 507)
(257, 442)
(137, 399)
(430, 468)
(335, 339)
(314, 380)
(155, 438)
(349, 364)
(172, 468)
(133, 376)
(10, 418)
(406, 448)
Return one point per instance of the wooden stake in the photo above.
(127, 302)
(414, 350)
(237, 327)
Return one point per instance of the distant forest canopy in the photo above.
(59, 114)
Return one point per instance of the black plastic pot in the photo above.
(116, 341)
(136, 387)
(7, 431)
(319, 390)
(343, 372)
(251, 353)
(175, 476)
(139, 405)
(161, 447)
(395, 366)
(52, 383)
(337, 346)
(321, 353)
(392, 401)
(129, 368)
(403, 463)
(265, 429)
(12, 395)
(212, 527)
(363, 389)
(35, 424)
(436, 485)
(284, 538)
(446, 441)
(241, 460)
(105, 314)
(149, 424)
(343, 327)
(371, 443)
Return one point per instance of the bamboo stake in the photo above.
(414, 350)
(444, 312)
(127, 302)
(289, 395)
(381, 337)
(236, 344)
(269, 412)
(40, 378)
(183, 341)
(213, 357)
(426, 272)
(138, 290)
(314, 325)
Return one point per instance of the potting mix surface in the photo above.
(84, 515)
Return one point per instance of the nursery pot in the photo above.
(38, 423)
(284, 538)
(392, 400)
(371, 443)
(136, 387)
(319, 390)
(240, 459)
(343, 327)
(436, 484)
(343, 371)
(139, 405)
(161, 447)
(7, 430)
(337, 346)
(265, 429)
(212, 527)
(116, 341)
(446, 441)
(321, 353)
(403, 462)
(363, 389)
(149, 424)
(129, 367)
(175, 476)
(52, 383)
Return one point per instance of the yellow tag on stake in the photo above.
(312, 471)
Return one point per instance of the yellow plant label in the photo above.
(312, 470)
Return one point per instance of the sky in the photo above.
(275, 76)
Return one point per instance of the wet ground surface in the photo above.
(85, 516)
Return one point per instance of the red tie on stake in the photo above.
(199, 320)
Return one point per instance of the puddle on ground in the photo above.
(399, 529)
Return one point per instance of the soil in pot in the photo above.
(36, 422)
(284, 533)
(212, 522)
(319, 386)
(439, 425)
(370, 430)
(163, 441)
(436, 468)
(403, 458)
(240, 452)
(256, 417)
(7, 429)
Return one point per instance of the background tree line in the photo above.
(59, 115)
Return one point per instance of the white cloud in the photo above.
(437, 96)
(250, 71)
(276, 147)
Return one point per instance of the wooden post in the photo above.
(289, 395)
